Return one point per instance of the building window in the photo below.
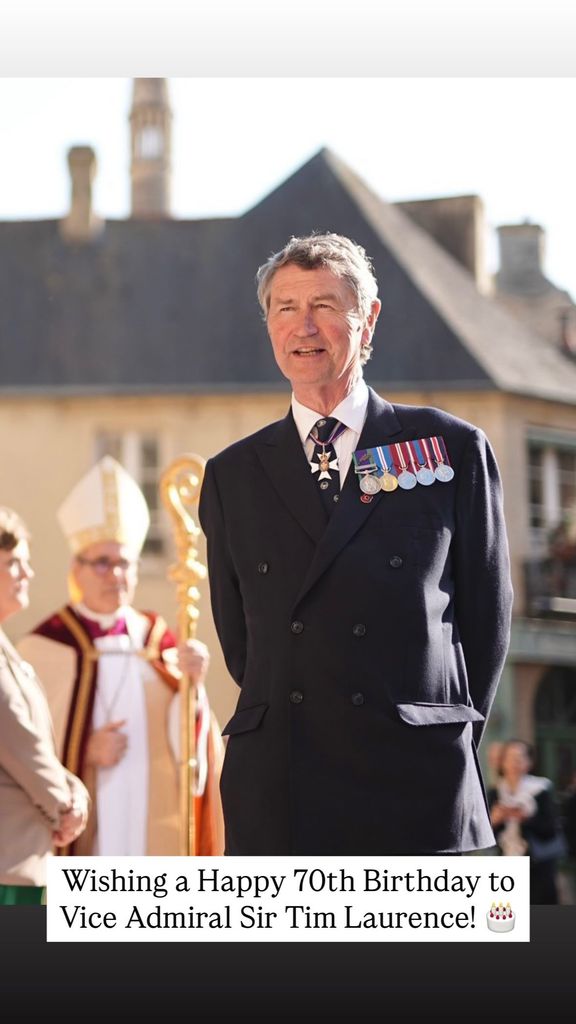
(140, 455)
(552, 489)
(150, 142)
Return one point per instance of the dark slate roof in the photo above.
(170, 305)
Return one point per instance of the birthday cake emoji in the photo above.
(500, 918)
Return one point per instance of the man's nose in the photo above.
(307, 324)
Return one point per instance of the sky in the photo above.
(509, 140)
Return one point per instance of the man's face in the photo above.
(315, 328)
(106, 574)
(15, 573)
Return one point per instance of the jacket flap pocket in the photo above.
(245, 720)
(437, 714)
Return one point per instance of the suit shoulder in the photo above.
(53, 628)
(244, 447)
(156, 624)
(435, 421)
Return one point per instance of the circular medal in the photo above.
(407, 480)
(444, 473)
(369, 483)
(425, 476)
(388, 482)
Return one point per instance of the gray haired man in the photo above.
(361, 591)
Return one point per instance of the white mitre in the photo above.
(106, 504)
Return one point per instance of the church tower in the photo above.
(150, 167)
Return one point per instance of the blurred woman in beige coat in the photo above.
(41, 804)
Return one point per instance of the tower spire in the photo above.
(150, 168)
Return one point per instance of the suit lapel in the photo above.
(381, 423)
(285, 463)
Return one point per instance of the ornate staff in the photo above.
(180, 489)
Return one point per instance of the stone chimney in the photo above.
(521, 259)
(567, 319)
(81, 223)
(524, 290)
(151, 146)
(458, 224)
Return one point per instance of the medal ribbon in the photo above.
(364, 461)
(424, 442)
(401, 461)
(439, 449)
(444, 451)
(419, 453)
(396, 467)
(411, 455)
(383, 459)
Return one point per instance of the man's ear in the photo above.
(371, 319)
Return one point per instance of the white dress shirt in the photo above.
(351, 411)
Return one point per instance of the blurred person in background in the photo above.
(41, 803)
(523, 815)
(493, 756)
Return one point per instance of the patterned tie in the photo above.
(324, 462)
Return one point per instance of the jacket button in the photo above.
(263, 568)
(297, 627)
(357, 699)
(359, 629)
(396, 562)
(296, 697)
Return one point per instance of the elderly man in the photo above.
(360, 587)
(111, 675)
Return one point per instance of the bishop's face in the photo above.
(106, 574)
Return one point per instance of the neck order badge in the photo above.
(324, 461)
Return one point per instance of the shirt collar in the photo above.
(351, 411)
(104, 621)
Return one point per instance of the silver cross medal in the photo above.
(324, 465)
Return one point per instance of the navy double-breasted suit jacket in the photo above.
(368, 649)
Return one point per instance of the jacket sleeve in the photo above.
(225, 594)
(544, 822)
(79, 795)
(483, 591)
(492, 797)
(28, 757)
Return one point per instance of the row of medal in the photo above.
(404, 464)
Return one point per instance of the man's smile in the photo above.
(307, 350)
